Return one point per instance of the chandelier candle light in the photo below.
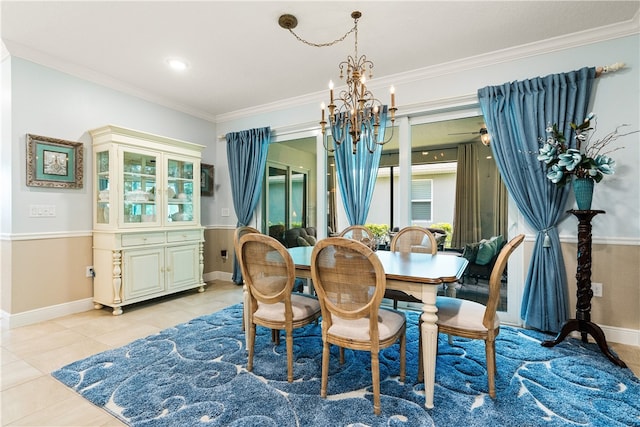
(358, 112)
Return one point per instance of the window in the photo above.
(421, 212)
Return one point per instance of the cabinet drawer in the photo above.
(142, 239)
(183, 235)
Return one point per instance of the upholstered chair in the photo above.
(269, 273)
(241, 231)
(350, 282)
(473, 320)
(357, 232)
(410, 239)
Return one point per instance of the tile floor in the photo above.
(31, 397)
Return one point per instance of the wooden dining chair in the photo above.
(410, 239)
(473, 320)
(350, 282)
(237, 234)
(357, 232)
(269, 273)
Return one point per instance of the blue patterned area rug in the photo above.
(194, 375)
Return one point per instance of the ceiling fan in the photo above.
(483, 132)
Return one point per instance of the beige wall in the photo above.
(5, 275)
(616, 266)
(47, 272)
(214, 241)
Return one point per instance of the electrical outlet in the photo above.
(90, 272)
(597, 289)
(223, 253)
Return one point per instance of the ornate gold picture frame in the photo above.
(54, 162)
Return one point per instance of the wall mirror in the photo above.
(290, 190)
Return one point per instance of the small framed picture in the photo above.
(54, 162)
(206, 179)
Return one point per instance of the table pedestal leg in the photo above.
(429, 331)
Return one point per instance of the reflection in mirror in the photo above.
(289, 197)
(276, 193)
(298, 204)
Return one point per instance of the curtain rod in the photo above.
(293, 129)
(287, 130)
(609, 68)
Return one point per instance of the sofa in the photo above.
(482, 256)
(294, 237)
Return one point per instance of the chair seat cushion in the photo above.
(462, 314)
(302, 306)
(389, 323)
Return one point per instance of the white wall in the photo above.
(50, 103)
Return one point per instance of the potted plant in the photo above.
(587, 163)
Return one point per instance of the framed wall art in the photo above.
(54, 162)
(206, 180)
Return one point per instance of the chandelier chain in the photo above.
(355, 113)
(355, 28)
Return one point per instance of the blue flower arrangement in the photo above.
(588, 160)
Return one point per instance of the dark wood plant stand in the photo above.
(582, 322)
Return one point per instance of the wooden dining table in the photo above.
(416, 274)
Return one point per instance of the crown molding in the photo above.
(67, 67)
(581, 38)
(554, 44)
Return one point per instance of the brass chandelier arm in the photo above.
(356, 111)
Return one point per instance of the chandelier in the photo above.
(356, 111)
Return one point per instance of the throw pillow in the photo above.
(488, 250)
(310, 239)
(302, 242)
(471, 251)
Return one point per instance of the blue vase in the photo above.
(583, 190)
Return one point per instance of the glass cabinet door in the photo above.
(139, 188)
(102, 181)
(180, 187)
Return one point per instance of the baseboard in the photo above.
(612, 334)
(46, 313)
(217, 275)
(30, 317)
(617, 335)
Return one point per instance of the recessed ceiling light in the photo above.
(177, 64)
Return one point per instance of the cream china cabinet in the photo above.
(147, 237)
